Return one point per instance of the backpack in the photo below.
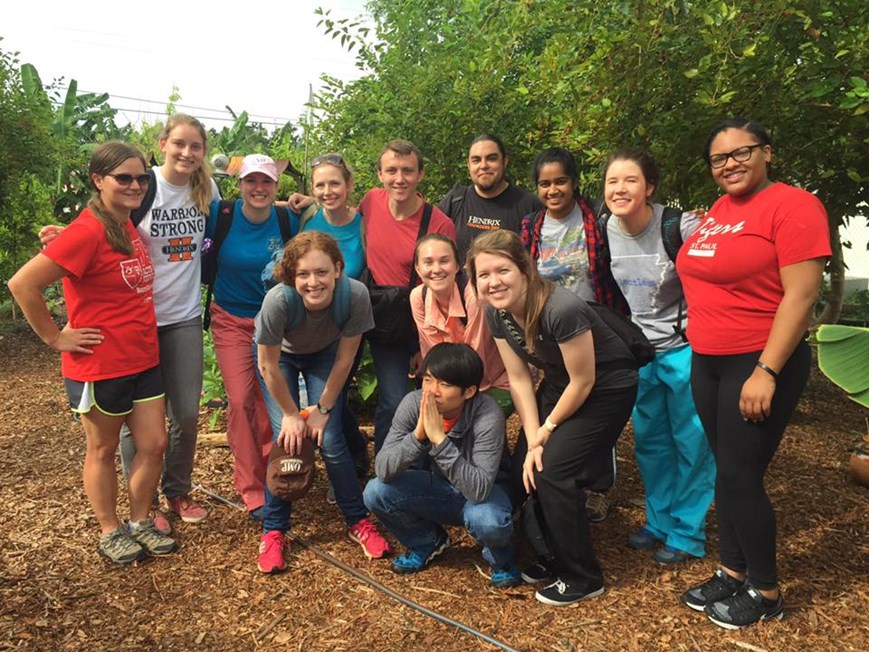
(223, 217)
(139, 214)
(457, 198)
(340, 304)
(671, 236)
(462, 282)
(628, 332)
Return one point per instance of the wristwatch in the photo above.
(550, 425)
(323, 410)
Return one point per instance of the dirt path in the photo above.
(57, 594)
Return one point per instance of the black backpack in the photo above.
(147, 199)
(225, 211)
(628, 332)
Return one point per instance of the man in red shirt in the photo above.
(391, 217)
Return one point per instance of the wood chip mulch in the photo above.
(56, 593)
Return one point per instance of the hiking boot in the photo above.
(271, 552)
(643, 540)
(506, 577)
(146, 535)
(719, 587)
(596, 506)
(160, 521)
(188, 509)
(117, 546)
(669, 555)
(745, 607)
(539, 571)
(366, 535)
(414, 561)
(561, 594)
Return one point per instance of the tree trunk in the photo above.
(833, 309)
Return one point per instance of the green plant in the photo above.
(212, 380)
(842, 355)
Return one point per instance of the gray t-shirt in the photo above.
(318, 330)
(564, 317)
(648, 279)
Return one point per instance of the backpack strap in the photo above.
(671, 231)
(457, 197)
(225, 212)
(147, 199)
(285, 223)
(307, 214)
(423, 229)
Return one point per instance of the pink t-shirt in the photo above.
(110, 291)
(730, 266)
(434, 327)
(389, 243)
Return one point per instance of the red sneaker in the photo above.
(271, 552)
(188, 509)
(161, 523)
(366, 535)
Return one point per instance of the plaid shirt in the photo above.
(606, 292)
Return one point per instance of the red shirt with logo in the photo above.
(111, 291)
(730, 266)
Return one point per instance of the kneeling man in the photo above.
(445, 462)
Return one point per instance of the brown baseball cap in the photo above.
(290, 477)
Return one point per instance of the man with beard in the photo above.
(493, 202)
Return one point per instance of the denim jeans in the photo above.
(414, 506)
(391, 365)
(315, 369)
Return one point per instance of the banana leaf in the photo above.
(843, 356)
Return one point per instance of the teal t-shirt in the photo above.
(247, 249)
(349, 238)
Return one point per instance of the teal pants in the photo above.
(672, 452)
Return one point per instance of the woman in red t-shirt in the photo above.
(751, 273)
(109, 352)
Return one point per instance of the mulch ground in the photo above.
(56, 593)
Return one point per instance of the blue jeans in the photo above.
(416, 504)
(315, 369)
(391, 365)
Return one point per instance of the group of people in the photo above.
(498, 288)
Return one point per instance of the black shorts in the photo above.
(115, 396)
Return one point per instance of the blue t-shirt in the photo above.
(244, 253)
(349, 238)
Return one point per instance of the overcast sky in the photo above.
(259, 57)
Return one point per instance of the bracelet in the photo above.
(767, 369)
(549, 425)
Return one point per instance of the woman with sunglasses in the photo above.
(565, 241)
(254, 235)
(172, 230)
(300, 331)
(751, 274)
(447, 310)
(109, 349)
(576, 414)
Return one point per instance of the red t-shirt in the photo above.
(730, 266)
(389, 243)
(111, 291)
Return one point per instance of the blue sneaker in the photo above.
(669, 555)
(643, 540)
(506, 577)
(414, 561)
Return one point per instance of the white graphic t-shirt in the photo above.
(564, 254)
(173, 230)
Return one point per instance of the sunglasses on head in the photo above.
(128, 179)
(329, 159)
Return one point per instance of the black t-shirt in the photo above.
(564, 317)
(474, 215)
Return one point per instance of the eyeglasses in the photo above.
(127, 180)
(740, 155)
(329, 159)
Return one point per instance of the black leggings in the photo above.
(743, 450)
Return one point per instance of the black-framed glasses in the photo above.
(126, 180)
(329, 159)
(740, 155)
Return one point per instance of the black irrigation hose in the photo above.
(372, 583)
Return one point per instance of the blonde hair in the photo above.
(508, 245)
(200, 180)
(107, 157)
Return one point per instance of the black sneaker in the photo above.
(744, 608)
(718, 587)
(539, 571)
(561, 594)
